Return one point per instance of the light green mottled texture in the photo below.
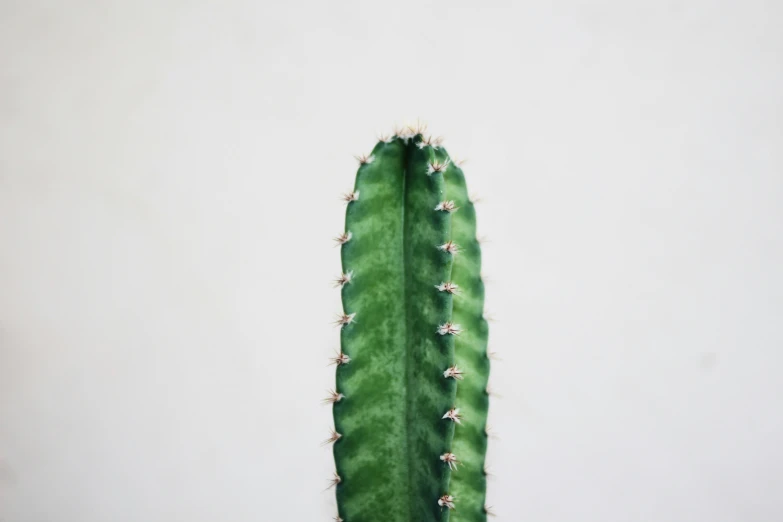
(468, 484)
(395, 394)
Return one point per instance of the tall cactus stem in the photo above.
(410, 408)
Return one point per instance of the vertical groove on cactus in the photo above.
(394, 407)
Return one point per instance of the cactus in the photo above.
(410, 402)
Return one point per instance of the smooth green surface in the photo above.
(390, 420)
(468, 484)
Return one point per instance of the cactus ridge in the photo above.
(409, 409)
(468, 485)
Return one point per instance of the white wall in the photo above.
(169, 174)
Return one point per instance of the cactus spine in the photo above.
(410, 402)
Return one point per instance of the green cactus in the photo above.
(410, 403)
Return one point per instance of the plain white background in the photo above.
(169, 182)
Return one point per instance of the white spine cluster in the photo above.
(446, 501)
(343, 238)
(453, 415)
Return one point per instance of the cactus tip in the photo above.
(417, 128)
(489, 512)
(405, 132)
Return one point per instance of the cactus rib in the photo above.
(470, 441)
